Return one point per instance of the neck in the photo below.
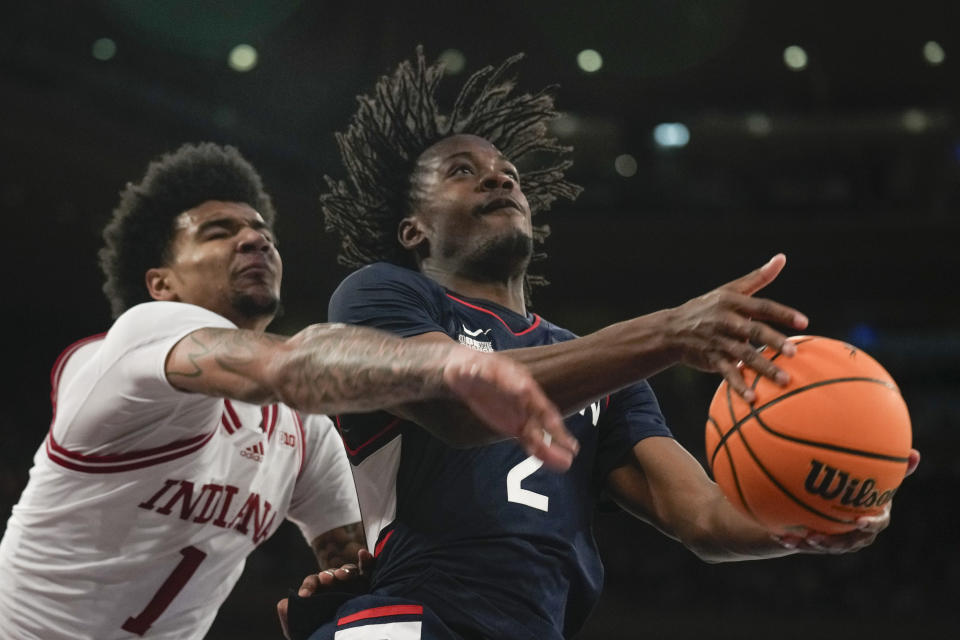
(258, 324)
(507, 293)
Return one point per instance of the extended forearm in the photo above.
(577, 372)
(337, 368)
(725, 534)
(663, 484)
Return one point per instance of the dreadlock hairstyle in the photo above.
(401, 119)
(139, 235)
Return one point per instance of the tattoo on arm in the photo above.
(343, 368)
(200, 348)
(325, 368)
(339, 546)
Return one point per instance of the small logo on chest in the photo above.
(254, 452)
(470, 339)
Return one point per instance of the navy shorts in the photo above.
(376, 617)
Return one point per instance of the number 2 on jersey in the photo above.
(526, 468)
(516, 475)
(516, 493)
(139, 624)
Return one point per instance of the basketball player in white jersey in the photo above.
(152, 487)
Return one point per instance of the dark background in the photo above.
(850, 166)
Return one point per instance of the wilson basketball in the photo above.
(829, 447)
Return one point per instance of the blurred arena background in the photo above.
(709, 135)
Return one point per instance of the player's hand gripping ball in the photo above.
(829, 447)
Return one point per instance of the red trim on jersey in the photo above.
(382, 612)
(130, 455)
(109, 463)
(607, 406)
(270, 416)
(60, 364)
(303, 438)
(234, 418)
(360, 448)
(226, 423)
(536, 318)
(382, 543)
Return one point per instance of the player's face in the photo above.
(223, 258)
(467, 202)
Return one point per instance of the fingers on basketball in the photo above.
(819, 454)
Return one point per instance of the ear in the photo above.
(159, 281)
(411, 234)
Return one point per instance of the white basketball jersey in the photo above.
(144, 501)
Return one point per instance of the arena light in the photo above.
(626, 165)
(934, 53)
(671, 134)
(453, 61)
(795, 58)
(589, 60)
(242, 58)
(915, 120)
(758, 124)
(103, 49)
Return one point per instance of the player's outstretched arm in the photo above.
(712, 332)
(333, 368)
(664, 485)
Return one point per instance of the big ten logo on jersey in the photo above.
(214, 503)
(473, 338)
(288, 439)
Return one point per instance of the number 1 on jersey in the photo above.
(139, 624)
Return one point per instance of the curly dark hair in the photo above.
(401, 119)
(139, 235)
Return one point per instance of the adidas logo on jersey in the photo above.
(254, 452)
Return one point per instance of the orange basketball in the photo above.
(829, 447)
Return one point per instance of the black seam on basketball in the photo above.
(775, 356)
(733, 416)
(783, 489)
(733, 470)
(778, 399)
(733, 419)
(828, 447)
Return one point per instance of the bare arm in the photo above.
(339, 546)
(664, 485)
(712, 332)
(342, 557)
(333, 368)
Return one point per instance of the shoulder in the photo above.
(151, 321)
(149, 330)
(384, 275)
(384, 293)
(558, 333)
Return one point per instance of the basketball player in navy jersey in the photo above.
(483, 542)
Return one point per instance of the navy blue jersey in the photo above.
(495, 544)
